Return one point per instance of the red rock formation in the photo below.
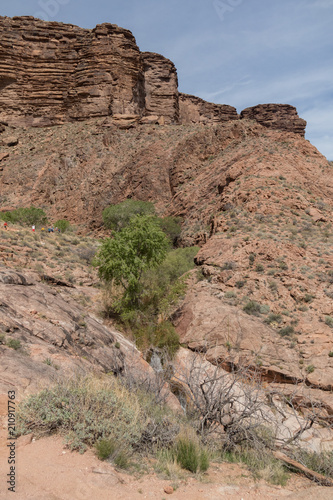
(52, 73)
(277, 116)
(161, 86)
(193, 110)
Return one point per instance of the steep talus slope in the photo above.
(80, 168)
(267, 261)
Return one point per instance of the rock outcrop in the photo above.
(52, 73)
(192, 109)
(276, 116)
(161, 87)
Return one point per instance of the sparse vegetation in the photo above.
(273, 318)
(13, 343)
(252, 307)
(287, 331)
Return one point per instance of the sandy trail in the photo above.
(46, 470)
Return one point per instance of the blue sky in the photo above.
(237, 52)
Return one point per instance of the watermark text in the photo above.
(11, 446)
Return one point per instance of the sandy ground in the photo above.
(46, 470)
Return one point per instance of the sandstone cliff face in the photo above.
(161, 86)
(52, 73)
(195, 110)
(276, 116)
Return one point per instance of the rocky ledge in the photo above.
(277, 116)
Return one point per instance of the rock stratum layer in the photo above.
(52, 73)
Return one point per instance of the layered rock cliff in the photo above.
(52, 73)
(277, 116)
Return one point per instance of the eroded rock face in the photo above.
(276, 116)
(192, 109)
(161, 87)
(52, 73)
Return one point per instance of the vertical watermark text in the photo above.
(11, 446)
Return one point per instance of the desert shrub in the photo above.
(118, 216)
(260, 268)
(2, 338)
(227, 266)
(104, 448)
(286, 331)
(264, 309)
(86, 253)
(191, 455)
(303, 308)
(14, 344)
(63, 225)
(329, 321)
(273, 318)
(252, 257)
(25, 216)
(158, 435)
(88, 410)
(113, 451)
(252, 307)
(273, 285)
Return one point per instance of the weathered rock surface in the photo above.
(58, 338)
(276, 116)
(229, 335)
(192, 109)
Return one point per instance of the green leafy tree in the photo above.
(25, 216)
(171, 226)
(118, 216)
(139, 246)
